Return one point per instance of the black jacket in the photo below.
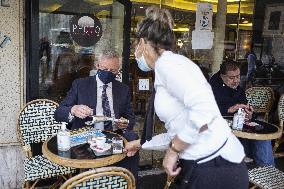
(226, 96)
(84, 91)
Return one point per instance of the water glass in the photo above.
(117, 145)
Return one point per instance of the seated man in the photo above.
(101, 95)
(230, 97)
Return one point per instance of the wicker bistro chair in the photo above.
(281, 123)
(35, 124)
(267, 177)
(104, 177)
(261, 99)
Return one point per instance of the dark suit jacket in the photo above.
(226, 96)
(84, 91)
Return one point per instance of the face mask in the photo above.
(142, 62)
(106, 76)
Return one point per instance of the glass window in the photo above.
(72, 33)
(238, 26)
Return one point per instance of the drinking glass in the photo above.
(117, 145)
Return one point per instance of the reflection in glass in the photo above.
(62, 59)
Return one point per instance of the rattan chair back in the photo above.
(281, 110)
(281, 123)
(104, 177)
(36, 122)
(261, 99)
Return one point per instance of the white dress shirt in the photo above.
(185, 102)
(99, 108)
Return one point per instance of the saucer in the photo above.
(252, 124)
(107, 147)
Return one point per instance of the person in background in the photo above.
(251, 59)
(101, 95)
(197, 136)
(230, 97)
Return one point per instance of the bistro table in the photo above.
(265, 131)
(80, 156)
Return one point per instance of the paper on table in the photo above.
(159, 142)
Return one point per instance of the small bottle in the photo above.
(238, 120)
(63, 138)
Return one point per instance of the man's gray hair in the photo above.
(108, 53)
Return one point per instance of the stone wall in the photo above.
(11, 93)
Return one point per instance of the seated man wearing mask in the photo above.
(101, 95)
(230, 97)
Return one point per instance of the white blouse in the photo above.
(185, 102)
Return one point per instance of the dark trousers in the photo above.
(130, 163)
(218, 174)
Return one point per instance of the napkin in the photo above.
(159, 142)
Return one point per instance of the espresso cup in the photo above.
(101, 142)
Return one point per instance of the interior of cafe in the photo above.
(62, 60)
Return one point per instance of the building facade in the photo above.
(45, 45)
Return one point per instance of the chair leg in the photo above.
(26, 185)
(277, 143)
(170, 179)
(57, 183)
(33, 185)
(69, 176)
(253, 187)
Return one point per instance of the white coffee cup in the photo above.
(101, 142)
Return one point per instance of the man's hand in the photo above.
(170, 163)
(122, 124)
(235, 108)
(81, 111)
(132, 147)
(249, 112)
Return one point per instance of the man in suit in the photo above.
(230, 97)
(101, 95)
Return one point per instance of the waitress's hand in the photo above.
(132, 147)
(170, 163)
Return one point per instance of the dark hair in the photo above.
(228, 65)
(157, 28)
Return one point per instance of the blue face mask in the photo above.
(106, 76)
(142, 62)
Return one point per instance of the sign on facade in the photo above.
(85, 30)
(4, 40)
(204, 14)
(202, 37)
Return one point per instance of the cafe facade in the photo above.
(46, 44)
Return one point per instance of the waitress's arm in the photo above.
(172, 155)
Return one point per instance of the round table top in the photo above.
(80, 156)
(265, 131)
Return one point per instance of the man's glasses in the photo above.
(233, 76)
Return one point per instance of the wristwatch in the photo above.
(173, 148)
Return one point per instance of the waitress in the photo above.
(209, 155)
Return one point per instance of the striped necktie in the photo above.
(106, 108)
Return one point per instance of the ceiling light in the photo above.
(181, 29)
